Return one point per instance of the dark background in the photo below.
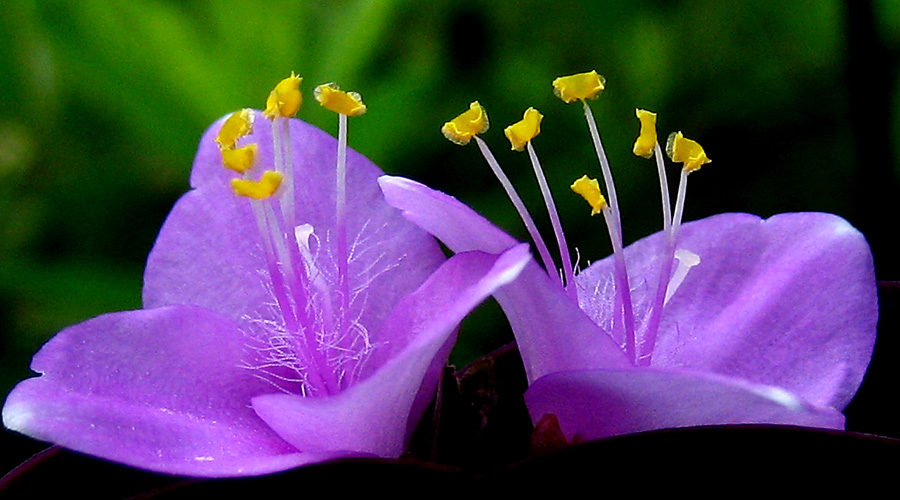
(102, 104)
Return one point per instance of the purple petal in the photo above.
(551, 331)
(602, 403)
(371, 417)
(789, 301)
(163, 389)
(446, 218)
(209, 252)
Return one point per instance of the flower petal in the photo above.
(371, 417)
(551, 331)
(788, 301)
(602, 403)
(163, 389)
(209, 251)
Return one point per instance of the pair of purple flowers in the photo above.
(297, 310)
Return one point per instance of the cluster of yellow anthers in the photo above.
(283, 102)
(580, 87)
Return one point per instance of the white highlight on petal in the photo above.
(780, 396)
(17, 416)
(686, 260)
(842, 227)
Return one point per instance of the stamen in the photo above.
(582, 87)
(585, 86)
(520, 208)
(258, 190)
(331, 97)
(463, 129)
(589, 189)
(283, 102)
(285, 99)
(645, 142)
(691, 154)
(238, 125)
(467, 125)
(579, 87)
(524, 130)
(647, 145)
(520, 135)
(344, 104)
(686, 151)
(239, 159)
(686, 260)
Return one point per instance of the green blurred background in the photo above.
(102, 104)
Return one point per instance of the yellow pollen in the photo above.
(239, 124)
(589, 189)
(461, 129)
(526, 129)
(581, 86)
(258, 190)
(645, 142)
(332, 98)
(285, 99)
(686, 151)
(239, 159)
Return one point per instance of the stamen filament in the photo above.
(289, 293)
(623, 288)
(604, 167)
(568, 269)
(520, 208)
(679, 202)
(614, 224)
(287, 198)
(648, 340)
(663, 187)
(341, 211)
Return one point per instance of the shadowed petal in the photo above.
(371, 416)
(789, 301)
(551, 331)
(602, 403)
(163, 389)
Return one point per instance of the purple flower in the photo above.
(776, 325)
(264, 343)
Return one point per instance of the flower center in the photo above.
(317, 343)
(636, 342)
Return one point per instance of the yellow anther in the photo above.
(285, 99)
(239, 159)
(589, 189)
(258, 190)
(239, 124)
(526, 129)
(645, 142)
(461, 129)
(332, 98)
(581, 86)
(686, 151)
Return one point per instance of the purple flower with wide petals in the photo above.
(264, 344)
(775, 325)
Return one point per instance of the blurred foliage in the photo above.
(102, 104)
